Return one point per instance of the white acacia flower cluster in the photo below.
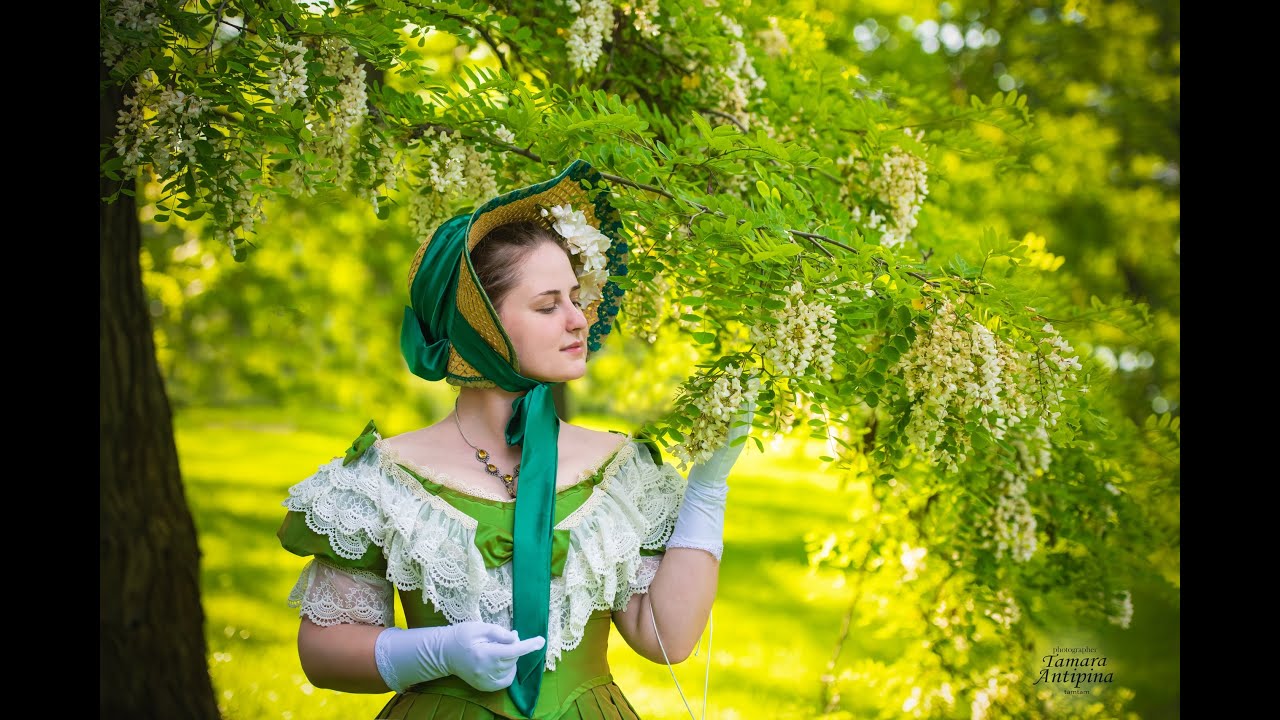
(1121, 612)
(1057, 370)
(159, 126)
(1034, 449)
(740, 77)
(287, 83)
(334, 137)
(953, 368)
(899, 183)
(588, 32)
(453, 174)
(1004, 609)
(902, 184)
(388, 166)
(349, 111)
(1011, 526)
(718, 403)
(645, 12)
(773, 40)
(804, 335)
(588, 243)
(136, 15)
(244, 206)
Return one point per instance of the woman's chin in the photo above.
(564, 373)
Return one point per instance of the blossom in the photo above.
(587, 243)
(645, 12)
(774, 40)
(718, 401)
(288, 80)
(902, 184)
(1011, 526)
(1121, 611)
(587, 33)
(804, 335)
(958, 366)
(453, 174)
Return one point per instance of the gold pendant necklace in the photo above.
(511, 480)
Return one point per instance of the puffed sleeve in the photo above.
(345, 581)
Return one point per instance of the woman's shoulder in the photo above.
(412, 440)
(587, 447)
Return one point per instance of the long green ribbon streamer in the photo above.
(534, 425)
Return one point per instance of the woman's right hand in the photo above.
(482, 654)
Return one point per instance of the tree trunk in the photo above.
(152, 652)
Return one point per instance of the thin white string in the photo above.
(707, 679)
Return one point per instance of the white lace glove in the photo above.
(482, 654)
(700, 523)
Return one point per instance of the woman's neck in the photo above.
(483, 414)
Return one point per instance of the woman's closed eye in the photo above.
(552, 308)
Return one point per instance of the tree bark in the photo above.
(152, 652)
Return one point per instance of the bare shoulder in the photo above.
(417, 443)
(588, 437)
(588, 444)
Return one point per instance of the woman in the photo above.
(514, 538)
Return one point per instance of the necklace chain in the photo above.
(511, 481)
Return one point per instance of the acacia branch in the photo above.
(484, 35)
(618, 179)
(217, 22)
(730, 118)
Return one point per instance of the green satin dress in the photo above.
(581, 686)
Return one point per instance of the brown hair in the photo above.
(499, 254)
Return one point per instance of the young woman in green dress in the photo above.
(514, 539)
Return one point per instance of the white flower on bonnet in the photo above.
(588, 243)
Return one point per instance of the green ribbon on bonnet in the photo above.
(431, 326)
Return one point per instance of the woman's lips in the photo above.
(574, 348)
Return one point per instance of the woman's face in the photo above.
(542, 318)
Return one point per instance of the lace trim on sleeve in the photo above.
(633, 507)
(429, 545)
(330, 595)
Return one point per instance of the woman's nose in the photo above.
(577, 319)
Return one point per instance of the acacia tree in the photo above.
(776, 206)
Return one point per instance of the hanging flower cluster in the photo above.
(587, 33)
(135, 15)
(739, 76)
(1121, 609)
(453, 174)
(1011, 526)
(805, 334)
(718, 403)
(899, 184)
(958, 368)
(773, 40)
(645, 12)
(160, 126)
(288, 80)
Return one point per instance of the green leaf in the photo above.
(705, 338)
